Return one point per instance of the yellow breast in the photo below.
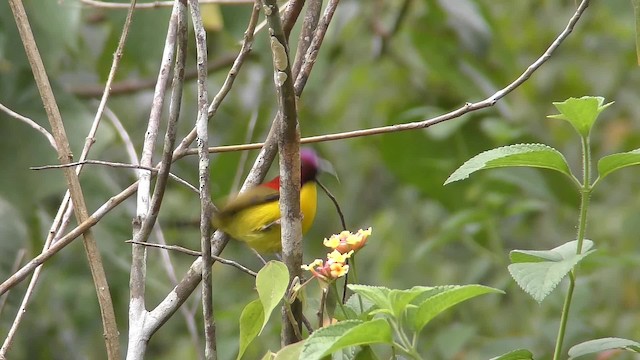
(259, 225)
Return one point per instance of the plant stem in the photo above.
(352, 269)
(338, 300)
(585, 194)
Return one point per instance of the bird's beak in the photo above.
(326, 167)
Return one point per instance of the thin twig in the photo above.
(190, 252)
(116, 165)
(16, 265)
(73, 183)
(335, 202)
(290, 16)
(147, 209)
(309, 26)
(31, 123)
(202, 129)
(157, 4)
(312, 52)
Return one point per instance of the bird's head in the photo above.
(311, 165)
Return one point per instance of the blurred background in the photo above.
(382, 63)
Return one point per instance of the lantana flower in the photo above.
(347, 241)
(327, 271)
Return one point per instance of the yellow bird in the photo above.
(254, 216)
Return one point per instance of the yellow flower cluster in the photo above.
(344, 245)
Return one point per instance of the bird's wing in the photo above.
(258, 195)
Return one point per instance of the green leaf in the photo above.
(532, 155)
(580, 113)
(378, 295)
(290, 352)
(250, 319)
(332, 338)
(272, 282)
(520, 354)
(611, 163)
(399, 299)
(539, 272)
(450, 296)
(598, 345)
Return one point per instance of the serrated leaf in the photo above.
(598, 345)
(250, 319)
(442, 301)
(558, 253)
(334, 337)
(399, 299)
(539, 272)
(290, 352)
(520, 354)
(272, 282)
(611, 163)
(531, 155)
(581, 113)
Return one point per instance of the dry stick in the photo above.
(158, 4)
(198, 253)
(290, 16)
(166, 260)
(309, 25)
(73, 183)
(289, 153)
(188, 280)
(31, 123)
(116, 165)
(202, 127)
(146, 212)
(20, 255)
(314, 47)
(132, 86)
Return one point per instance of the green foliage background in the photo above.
(445, 53)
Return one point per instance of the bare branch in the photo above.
(31, 123)
(202, 129)
(309, 25)
(147, 209)
(197, 253)
(116, 165)
(73, 183)
(314, 47)
(289, 152)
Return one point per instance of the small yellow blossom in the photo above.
(336, 256)
(347, 241)
(338, 269)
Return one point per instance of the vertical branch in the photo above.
(309, 25)
(289, 151)
(312, 52)
(73, 183)
(147, 211)
(205, 196)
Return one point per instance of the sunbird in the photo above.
(254, 215)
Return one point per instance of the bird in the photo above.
(253, 216)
